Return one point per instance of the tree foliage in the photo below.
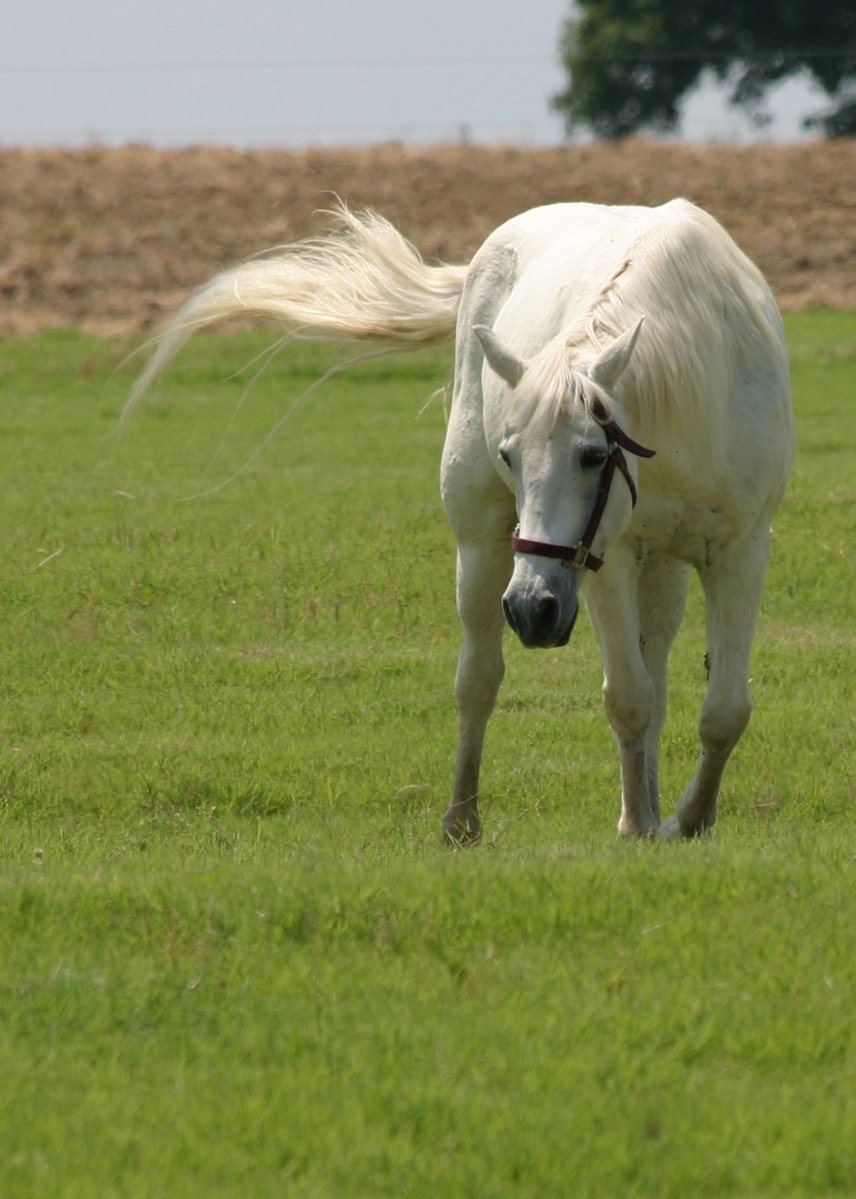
(631, 62)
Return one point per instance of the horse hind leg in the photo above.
(733, 589)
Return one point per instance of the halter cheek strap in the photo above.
(579, 556)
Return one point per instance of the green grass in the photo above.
(235, 959)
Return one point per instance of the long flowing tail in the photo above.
(361, 281)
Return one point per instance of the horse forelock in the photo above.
(553, 387)
(556, 379)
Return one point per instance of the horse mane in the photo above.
(707, 312)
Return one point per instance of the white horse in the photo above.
(621, 413)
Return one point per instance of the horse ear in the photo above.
(610, 364)
(507, 365)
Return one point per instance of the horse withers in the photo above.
(621, 415)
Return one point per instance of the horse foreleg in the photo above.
(732, 590)
(628, 689)
(662, 599)
(483, 572)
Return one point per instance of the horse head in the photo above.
(559, 443)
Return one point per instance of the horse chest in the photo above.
(694, 532)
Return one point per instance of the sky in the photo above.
(294, 73)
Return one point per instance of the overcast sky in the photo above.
(302, 72)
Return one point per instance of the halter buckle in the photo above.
(581, 558)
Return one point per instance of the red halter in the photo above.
(579, 556)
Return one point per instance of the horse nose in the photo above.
(537, 618)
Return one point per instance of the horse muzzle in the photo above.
(540, 618)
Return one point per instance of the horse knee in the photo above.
(478, 681)
(722, 725)
(629, 708)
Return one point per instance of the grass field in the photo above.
(235, 959)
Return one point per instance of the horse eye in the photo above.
(592, 456)
(503, 453)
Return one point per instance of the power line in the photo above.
(702, 55)
(275, 65)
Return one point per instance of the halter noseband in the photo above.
(579, 556)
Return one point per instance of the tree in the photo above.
(631, 62)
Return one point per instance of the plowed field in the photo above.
(112, 240)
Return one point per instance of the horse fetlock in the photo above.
(697, 808)
(645, 829)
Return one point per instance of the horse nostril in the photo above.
(547, 611)
(534, 618)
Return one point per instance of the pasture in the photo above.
(235, 957)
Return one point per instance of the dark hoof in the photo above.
(671, 830)
(460, 831)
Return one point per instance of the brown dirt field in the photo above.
(112, 240)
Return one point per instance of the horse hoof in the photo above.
(672, 830)
(461, 833)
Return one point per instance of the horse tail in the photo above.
(360, 281)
